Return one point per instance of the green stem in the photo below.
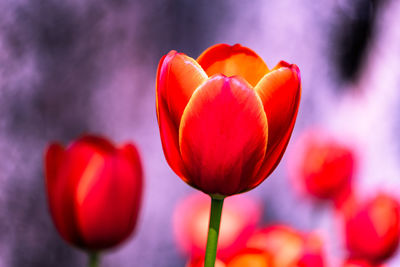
(213, 231)
(94, 259)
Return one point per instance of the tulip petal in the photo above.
(279, 91)
(78, 175)
(55, 186)
(114, 190)
(233, 60)
(177, 78)
(223, 135)
(132, 195)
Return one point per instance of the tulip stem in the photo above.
(94, 259)
(213, 231)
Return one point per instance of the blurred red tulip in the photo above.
(325, 166)
(373, 229)
(94, 191)
(217, 114)
(251, 257)
(289, 247)
(240, 217)
(359, 263)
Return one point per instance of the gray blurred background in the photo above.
(72, 67)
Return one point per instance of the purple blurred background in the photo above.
(70, 67)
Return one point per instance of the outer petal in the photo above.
(79, 172)
(130, 153)
(280, 92)
(177, 78)
(108, 197)
(61, 210)
(233, 60)
(223, 136)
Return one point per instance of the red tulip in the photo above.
(325, 166)
(289, 247)
(373, 230)
(217, 114)
(94, 191)
(240, 217)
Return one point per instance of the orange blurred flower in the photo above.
(289, 247)
(251, 257)
(94, 191)
(240, 217)
(373, 229)
(217, 114)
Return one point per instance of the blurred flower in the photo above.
(94, 191)
(359, 263)
(251, 257)
(325, 167)
(240, 217)
(289, 247)
(373, 229)
(199, 262)
(217, 114)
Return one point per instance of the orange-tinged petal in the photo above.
(280, 92)
(233, 60)
(223, 136)
(177, 77)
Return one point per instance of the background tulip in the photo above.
(94, 191)
(372, 231)
(322, 166)
(288, 246)
(239, 219)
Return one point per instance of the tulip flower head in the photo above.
(94, 191)
(289, 247)
(240, 217)
(323, 167)
(373, 230)
(225, 119)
